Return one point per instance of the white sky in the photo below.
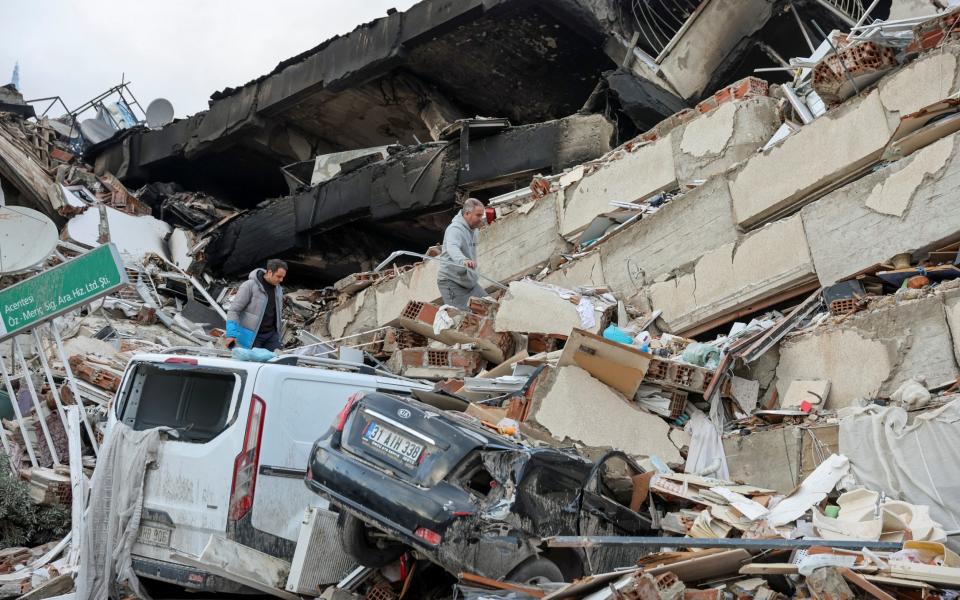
(182, 50)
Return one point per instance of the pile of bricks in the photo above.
(935, 32)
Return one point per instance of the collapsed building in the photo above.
(735, 261)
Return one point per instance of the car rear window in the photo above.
(195, 402)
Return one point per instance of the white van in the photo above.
(245, 431)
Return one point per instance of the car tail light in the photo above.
(245, 465)
(345, 413)
(179, 360)
(430, 537)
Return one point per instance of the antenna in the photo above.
(27, 237)
(159, 113)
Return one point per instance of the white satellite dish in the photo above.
(95, 130)
(26, 238)
(159, 113)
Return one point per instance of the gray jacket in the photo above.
(247, 307)
(459, 246)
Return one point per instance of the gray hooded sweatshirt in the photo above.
(459, 246)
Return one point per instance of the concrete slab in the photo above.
(822, 153)
(908, 206)
(521, 242)
(720, 28)
(680, 232)
(714, 142)
(873, 352)
(623, 176)
(736, 275)
(841, 143)
(769, 459)
(951, 307)
(920, 83)
(584, 271)
(530, 307)
(563, 403)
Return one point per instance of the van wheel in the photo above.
(365, 549)
(535, 572)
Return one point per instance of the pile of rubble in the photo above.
(755, 297)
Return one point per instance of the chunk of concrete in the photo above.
(907, 9)
(951, 306)
(811, 391)
(735, 276)
(562, 406)
(586, 270)
(920, 83)
(520, 242)
(531, 307)
(417, 284)
(715, 32)
(623, 176)
(717, 140)
(356, 315)
(908, 206)
(766, 458)
(681, 231)
(873, 352)
(837, 145)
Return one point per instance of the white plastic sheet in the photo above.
(917, 462)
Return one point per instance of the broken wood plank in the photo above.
(701, 568)
(863, 584)
(502, 585)
(929, 573)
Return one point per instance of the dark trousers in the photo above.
(267, 339)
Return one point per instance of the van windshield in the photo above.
(195, 402)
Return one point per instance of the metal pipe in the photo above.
(41, 418)
(866, 13)
(802, 109)
(839, 13)
(803, 29)
(688, 542)
(41, 352)
(400, 253)
(16, 410)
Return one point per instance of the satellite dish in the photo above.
(159, 113)
(95, 130)
(26, 238)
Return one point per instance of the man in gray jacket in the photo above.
(459, 283)
(255, 317)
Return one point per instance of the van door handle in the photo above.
(285, 472)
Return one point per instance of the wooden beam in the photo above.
(864, 585)
(502, 585)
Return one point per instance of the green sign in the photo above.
(63, 288)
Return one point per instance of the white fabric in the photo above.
(586, 310)
(706, 446)
(917, 462)
(113, 515)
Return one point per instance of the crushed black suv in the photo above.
(405, 474)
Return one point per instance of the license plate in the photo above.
(392, 443)
(155, 536)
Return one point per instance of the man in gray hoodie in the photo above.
(459, 283)
(255, 315)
